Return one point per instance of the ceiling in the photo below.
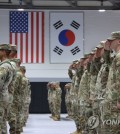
(61, 4)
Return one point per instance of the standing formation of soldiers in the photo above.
(15, 91)
(93, 96)
(54, 99)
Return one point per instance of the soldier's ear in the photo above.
(119, 42)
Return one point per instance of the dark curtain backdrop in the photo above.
(39, 103)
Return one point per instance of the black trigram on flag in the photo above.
(58, 50)
(58, 24)
(75, 24)
(75, 50)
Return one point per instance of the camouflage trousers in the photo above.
(97, 114)
(26, 112)
(69, 107)
(16, 118)
(4, 106)
(51, 108)
(3, 113)
(110, 118)
(81, 118)
(57, 108)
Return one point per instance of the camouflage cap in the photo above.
(75, 61)
(23, 67)
(86, 55)
(17, 60)
(13, 47)
(5, 47)
(99, 46)
(114, 35)
(83, 58)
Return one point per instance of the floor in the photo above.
(42, 124)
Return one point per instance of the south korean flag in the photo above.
(66, 36)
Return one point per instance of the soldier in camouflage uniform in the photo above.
(24, 95)
(68, 100)
(16, 108)
(84, 94)
(94, 69)
(72, 72)
(101, 83)
(6, 76)
(56, 96)
(50, 87)
(111, 104)
(79, 73)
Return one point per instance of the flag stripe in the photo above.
(42, 37)
(37, 38)
(21, 47)
(16, 37)
(34, 42)
(10, 38)
(32, 37)
(26, 47)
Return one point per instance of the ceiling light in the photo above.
(20, 9)
(101, 10)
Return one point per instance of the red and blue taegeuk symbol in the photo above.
(66, 37)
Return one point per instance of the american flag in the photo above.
(27, 32)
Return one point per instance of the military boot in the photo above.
(55, 118)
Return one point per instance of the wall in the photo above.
(97, 27)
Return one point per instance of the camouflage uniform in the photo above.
(68, 100)
(76, 112)
(17, 105)
(56, 96)
(94, 69)
(50, 99)
(72, 91)
(24, 95)
(111, 110)
(27, 102)
(85, 106)
(101, 86)
(6, 76)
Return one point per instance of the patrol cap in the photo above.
(17, 60)
(99, 46)
(4, 47)
(75, 61)
(83, 58)
(86, 55)
(23, 67)
(13, 47)
(114, 35)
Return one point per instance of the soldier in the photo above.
(76, 113)
(24, 95)
(72, 72)
(84, 94)
(57, 92)
(50, 99)
(68, 100)
(111, 110)
(16, 108)
(6, 76)
(101, 82)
